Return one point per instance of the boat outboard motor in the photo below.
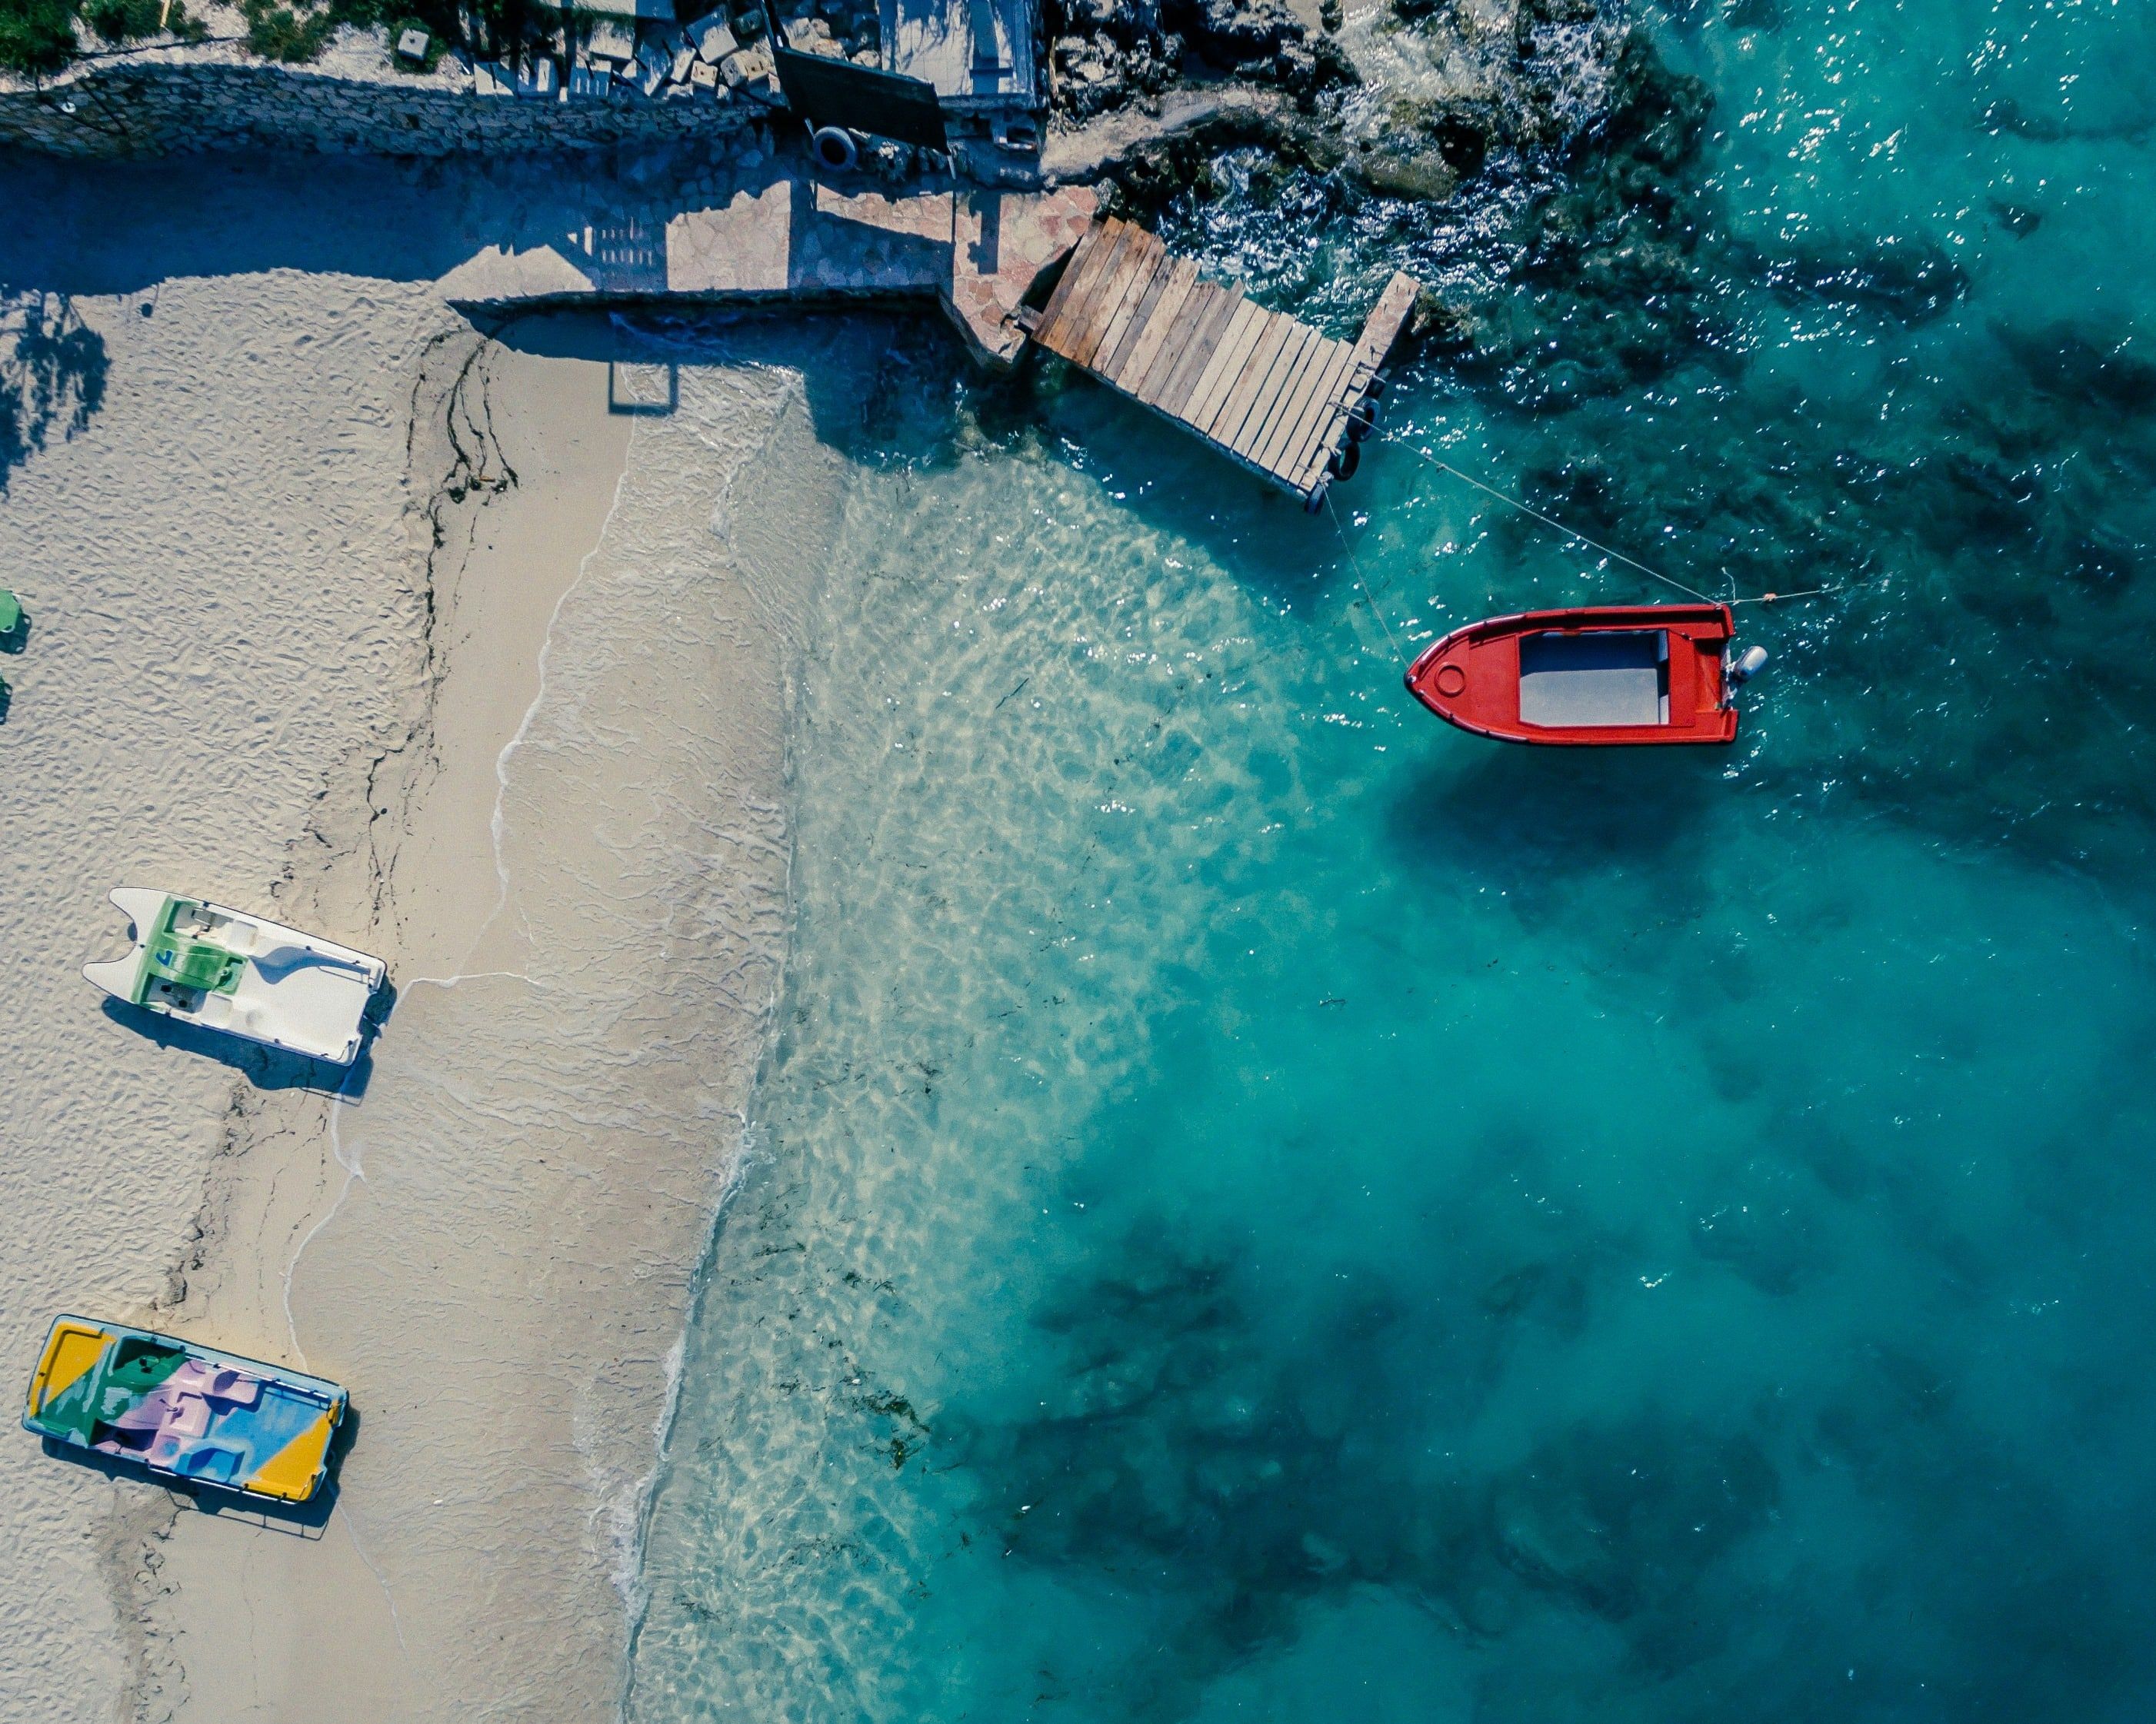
(1750, 664)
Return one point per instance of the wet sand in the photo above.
(578, 868)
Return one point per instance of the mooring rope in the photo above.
(1550, 521)
(1368, 598)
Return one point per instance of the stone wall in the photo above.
(141, 105)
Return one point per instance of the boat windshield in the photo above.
(1604, 677)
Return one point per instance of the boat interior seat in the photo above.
(216, 1462)
(1608, 677)
(220, 1383)
(121, 1440)
(187, 1416)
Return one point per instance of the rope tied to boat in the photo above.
(1368, 598)
(1550, 521)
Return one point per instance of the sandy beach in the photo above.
(455, 661)
(223, 618)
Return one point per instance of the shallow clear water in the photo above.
(1267, 1207)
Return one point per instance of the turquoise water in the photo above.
(1266, 1208)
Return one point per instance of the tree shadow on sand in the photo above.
(52, 373)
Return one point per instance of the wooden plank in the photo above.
(1288, 406)
(1176, 336)
(1205, 394)
(1183, 309)
(1201, 309)
(1331, 432)
(1085, 278)
(1078, 319)
(1332, 429)
(1118, 298)
(1313, 470)
(1290, 428)
(1292, 411)
(1256, 329)
(1258, 377)
(1149, 269)
(1078, 315)
(1255, 371)
(1219, 312)
(1081, 255)
(1331, 424)
(1292, 455)
(1186, 376)
(1382, 327)
(1143, 305)
(1280, 372)
(1243, 332)
(1139, 258)
(1162, 331)
(1261, 440)
(1295, 361)
(1108, 238)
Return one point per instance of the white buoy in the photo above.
(1749, 665)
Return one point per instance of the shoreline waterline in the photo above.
(575, 1082)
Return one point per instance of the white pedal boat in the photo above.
(205, 964)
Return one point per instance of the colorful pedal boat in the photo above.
(230, 971)
(1600, 676)
(190, 1412)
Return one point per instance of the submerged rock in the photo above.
(2083, 370)
(2017, 220)
(1913, 280)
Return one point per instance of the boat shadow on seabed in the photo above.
(1539, 813)
(265, 1067)
(297, 1519)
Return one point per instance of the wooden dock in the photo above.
(1269, 392)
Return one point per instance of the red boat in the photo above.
(1602, 676)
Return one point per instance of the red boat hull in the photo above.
(1604, 676)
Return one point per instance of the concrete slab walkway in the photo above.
(771, 234)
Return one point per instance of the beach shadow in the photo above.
(299, 1520)
(650, 336)
(402, 220)
(265, 1067)
(629, 391)
(52, 369)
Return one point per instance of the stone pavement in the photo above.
(767, 232)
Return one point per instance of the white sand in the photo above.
(577, 875)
